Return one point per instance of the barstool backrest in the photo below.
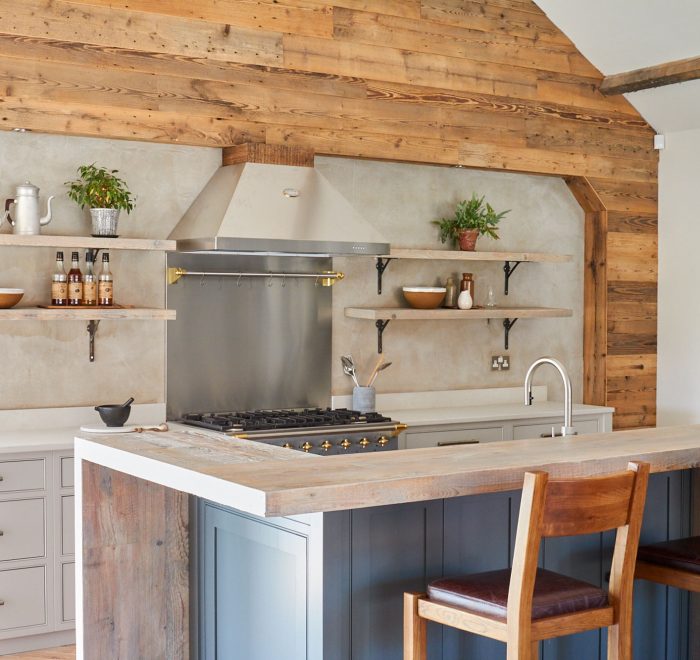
(570, 507)
(587, 506)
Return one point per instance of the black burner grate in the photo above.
(264, 420)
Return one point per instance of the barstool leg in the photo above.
(414, 629)
(620, 642)
(522, 650)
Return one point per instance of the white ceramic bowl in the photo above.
(424, 297)
(10, 297)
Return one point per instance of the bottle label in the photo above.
(106, 293)
(59, 291)
(90, 293)
(75, 291)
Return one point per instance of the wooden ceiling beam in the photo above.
(275, 154)
(669, 73)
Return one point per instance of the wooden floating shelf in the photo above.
(511, 260)
(383, 315)
(87, 242)
(83, 314)
(409, 314)
(463, 255)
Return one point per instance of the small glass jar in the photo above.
(450, 294)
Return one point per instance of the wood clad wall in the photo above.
(481, 83)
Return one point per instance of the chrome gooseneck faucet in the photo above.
(568, 428)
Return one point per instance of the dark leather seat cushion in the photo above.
(683, 554)
(487, 593)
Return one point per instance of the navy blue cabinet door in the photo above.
(478, 537)
(254, 589)
(394, 549)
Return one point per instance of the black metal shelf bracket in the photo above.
(92, 331)
(381, 326)
(507, 325)
(381, 267)
(509, 270)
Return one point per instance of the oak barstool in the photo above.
(675, 563)
(523, 605)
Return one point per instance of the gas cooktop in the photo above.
(295, 418)
(312, 430)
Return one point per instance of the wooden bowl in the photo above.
(424, 297)
(10, 297)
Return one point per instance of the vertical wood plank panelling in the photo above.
(482, 83)
(126, 554)
(595, 299)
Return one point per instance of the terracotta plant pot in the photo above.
(467, 239)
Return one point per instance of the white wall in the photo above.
(678, 394)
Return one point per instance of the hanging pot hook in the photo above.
(238, 283)
(269, 283)
(201, 281)
(284, 280)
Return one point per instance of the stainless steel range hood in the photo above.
(275, 209)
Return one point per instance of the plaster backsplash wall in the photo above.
(46, 364)
(400, 200)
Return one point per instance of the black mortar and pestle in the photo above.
(115, 414)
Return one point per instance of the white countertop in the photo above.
(489, 413)
(469, 406)
(54, 429)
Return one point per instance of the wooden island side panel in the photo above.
(135, 567)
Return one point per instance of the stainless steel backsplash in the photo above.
(247, 343)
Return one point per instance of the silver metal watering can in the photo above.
(27, 218)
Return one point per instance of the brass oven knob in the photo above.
(325, 445)
(307, 446)
(286, 445)
(345, 443)
(364, 442)
(383, 441)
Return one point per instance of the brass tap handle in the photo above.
(307, 446)
(286, 445)
(364, 442)
(345, 443)
(383, 441)
(325, 445)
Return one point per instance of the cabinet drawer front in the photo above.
(67, 474)
(22, 523)
(525, 431)
(23, 592)
(68, 525)
(22, 475)
(454, 437)
(68, 592)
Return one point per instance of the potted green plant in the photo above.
(472, 218)
(105, 194)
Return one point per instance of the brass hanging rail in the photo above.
(324, 278)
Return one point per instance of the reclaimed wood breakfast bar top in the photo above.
(271, 481)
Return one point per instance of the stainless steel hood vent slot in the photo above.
(275, 209)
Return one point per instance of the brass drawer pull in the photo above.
(550, 435)
(458, 442)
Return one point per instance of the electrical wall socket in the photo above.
(500, 362)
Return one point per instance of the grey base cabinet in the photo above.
(330, 586)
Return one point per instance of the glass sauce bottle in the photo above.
(75, 282)
(59, 283)
(105, 284)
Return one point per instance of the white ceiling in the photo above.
(621, 35)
